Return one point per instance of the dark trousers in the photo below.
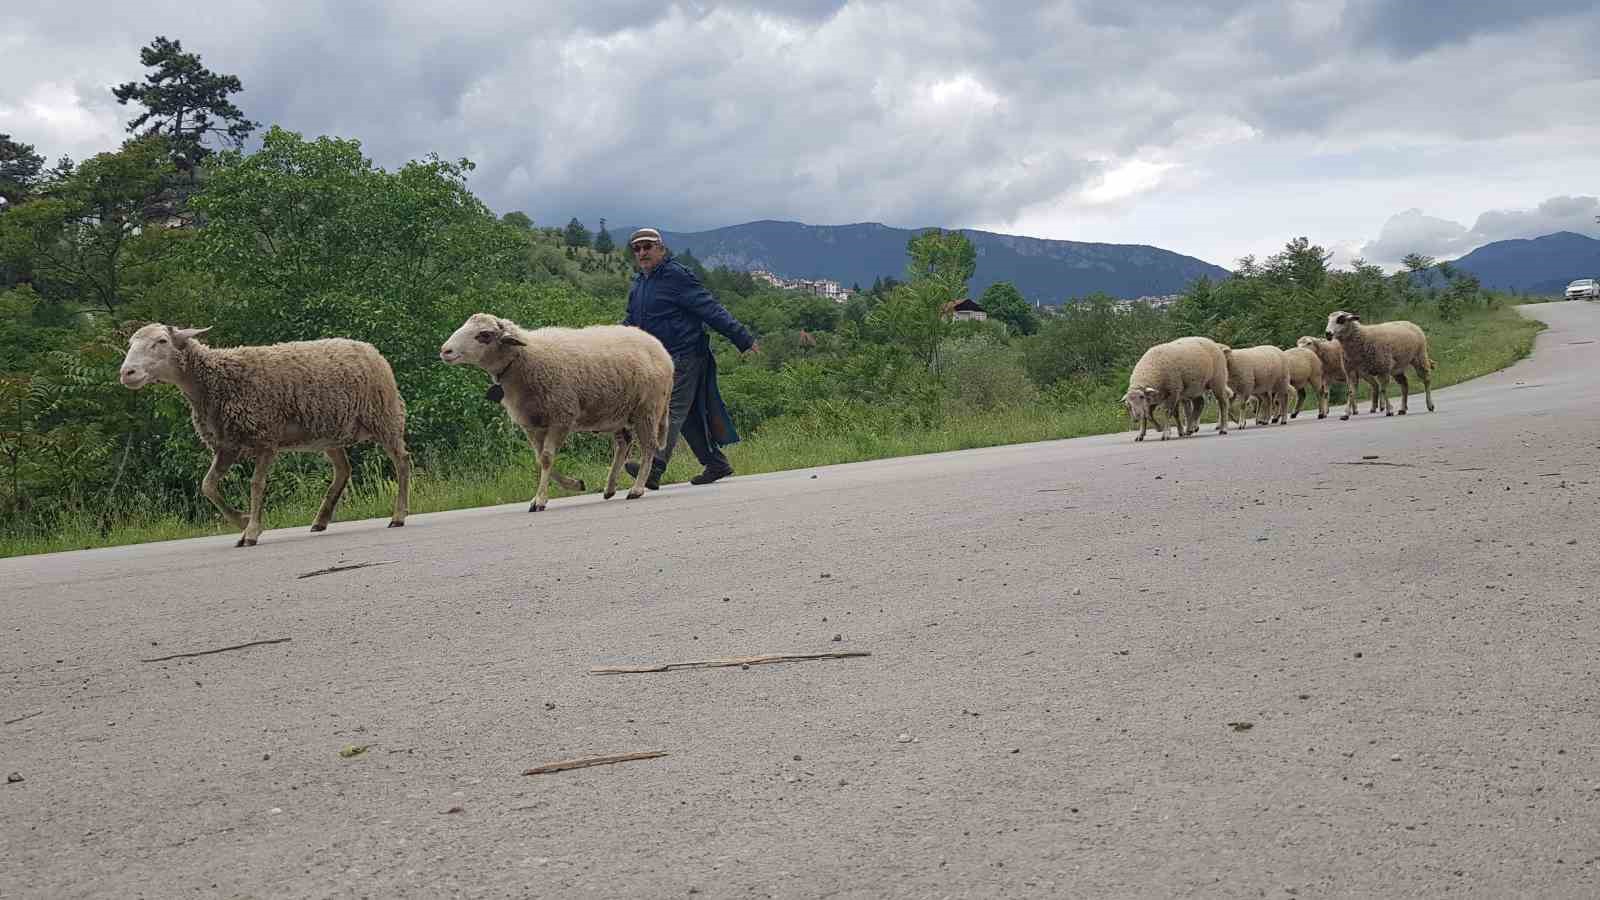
(685, 418)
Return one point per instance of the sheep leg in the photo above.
(341, 477)
(1299, 401)
(211, 486)
(1427, 383)
(648, 433)
(1175, 409)
(258, 493)
(1375, 392)
(1144, 425)
(1383, 389)
(1322, 400)
(1264, 408)
(1405, 391)
(546, 444)
(1352, 383)
(621, 440)
(571, 484)
(402, 479)
(1222, 409)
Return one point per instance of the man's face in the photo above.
(648, 254)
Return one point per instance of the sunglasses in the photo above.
(643, 246)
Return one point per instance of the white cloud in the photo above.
(1216, 128)
(1413, 232)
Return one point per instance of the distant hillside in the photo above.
(1542, 265)
(1045, 271)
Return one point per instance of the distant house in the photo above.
(963, 310)
(822, 287)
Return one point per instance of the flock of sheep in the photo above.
(326, 395)
(1178, 374)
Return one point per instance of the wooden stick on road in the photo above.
(735, 661)
(584, 762)
(218, 650)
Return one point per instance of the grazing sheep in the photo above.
(1331, 355)
(1379, 351)
(553, 381)
(1261, 373)
(256, 402)
(1305, 371)
(1177, 375)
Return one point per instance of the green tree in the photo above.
(184, 102)
(914, 313)
(310, 239)
(518, 219)
(19, 171)
(1419, 267)
(86, 233)
(577, 235)
(1004, 302)
(602, 241)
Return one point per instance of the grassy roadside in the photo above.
(1475, 345)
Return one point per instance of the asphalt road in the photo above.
(1060, 635)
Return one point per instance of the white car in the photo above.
(1584, 289)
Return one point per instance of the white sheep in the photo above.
(1305, 371)
(1260, 373)
(1177, 375)
(1331, 355)
(256, 402)
(1379, 351)
(615, 379)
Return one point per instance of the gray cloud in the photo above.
(1413, 232)
(938, 112)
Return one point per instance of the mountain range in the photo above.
(1045, 271)
(1541, 265)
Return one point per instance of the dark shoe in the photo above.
(652, 481)
(712, 473)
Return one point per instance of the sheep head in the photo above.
(478, 340)
(1139, 402)
(155, 353)
(1341, 322)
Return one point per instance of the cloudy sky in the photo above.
(1216, 128)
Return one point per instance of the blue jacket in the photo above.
(673, 305)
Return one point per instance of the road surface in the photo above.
(1328, 658)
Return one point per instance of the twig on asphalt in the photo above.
(218, 650)
(586, 761)
(1369, 462)
(24, 717)
(330, 570)
(717, 663)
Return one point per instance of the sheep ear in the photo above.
(511, 340)
(1354, 317)
(1150, 393)
(181, 336)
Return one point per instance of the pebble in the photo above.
(838, 637)
(1077, 591)
(276, 810)
(903, 739)
(1394, 758)
(14, 777)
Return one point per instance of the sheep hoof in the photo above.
(633, 496)
(1345, 417)
(1322, 415)
(608, 495)
(396, 524)
(246, 542)
(319, 527)
(1388, 412)
(535, 506)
